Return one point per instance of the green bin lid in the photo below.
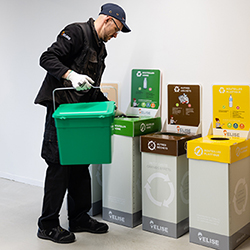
(85, 110)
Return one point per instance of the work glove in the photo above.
(79, 82)
(119, 113)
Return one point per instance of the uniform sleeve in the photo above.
(60, 55)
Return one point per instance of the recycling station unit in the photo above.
(165, 188)
(165, 183)
(219, 173)
(122, 178)
(110, 91)
(219, 178)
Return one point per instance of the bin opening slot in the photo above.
(219, 139)
(128, 116)
(173, 134)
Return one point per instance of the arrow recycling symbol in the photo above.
(167, 202)
(240, 196)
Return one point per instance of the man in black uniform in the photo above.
(75, 59)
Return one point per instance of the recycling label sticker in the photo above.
(145, 88)
(183, 104)
(231, 109)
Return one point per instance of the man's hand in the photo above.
(79, 82)
(119, 113)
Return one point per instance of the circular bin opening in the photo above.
(219, 139)
(131, 116)
(173, 134)
(128, 116)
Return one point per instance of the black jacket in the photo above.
(78, 48)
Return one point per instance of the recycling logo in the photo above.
(200, 236)
(138, 74)
(176, 89)
(240, 196)
(237, 151)
(143, 127)
(222, 90)
(198, 151)
(151, 145)
(110, 214)
(166, 202)
(151, 223)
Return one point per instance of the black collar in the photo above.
(99, 42)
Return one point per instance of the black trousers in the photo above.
(76, 179)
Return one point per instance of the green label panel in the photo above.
(145, 88)
(136, 126)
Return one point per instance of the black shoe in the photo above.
(56, 234)
(92, 226)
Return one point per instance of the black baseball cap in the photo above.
(117, 12)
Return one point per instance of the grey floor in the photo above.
(20, 206)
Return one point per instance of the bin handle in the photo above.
(70, 88)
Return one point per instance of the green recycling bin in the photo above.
(84, 132)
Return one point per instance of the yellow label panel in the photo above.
(206, 152)
(231, 109)
(219, 149)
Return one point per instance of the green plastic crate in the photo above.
(84, 132)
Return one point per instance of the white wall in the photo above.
(190, 41)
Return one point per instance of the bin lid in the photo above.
(85, 110)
